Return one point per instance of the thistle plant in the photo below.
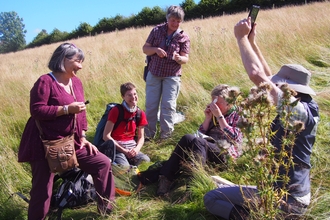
(264, 162)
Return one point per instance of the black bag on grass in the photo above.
(76, 189)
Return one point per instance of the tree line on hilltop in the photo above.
(12, 28)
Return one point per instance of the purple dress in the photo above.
(45, 97)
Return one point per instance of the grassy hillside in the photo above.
(286, 35)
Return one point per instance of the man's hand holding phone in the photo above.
(253, 14)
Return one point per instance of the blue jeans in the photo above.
(108, 148)
(221, 201)
(124, 161)
(161, 93)
(201, 149)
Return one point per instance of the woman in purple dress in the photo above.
(56, 100)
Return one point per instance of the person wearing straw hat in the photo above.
(228, 202)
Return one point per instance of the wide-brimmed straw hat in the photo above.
(296, 76)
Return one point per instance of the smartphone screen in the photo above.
(253, 14)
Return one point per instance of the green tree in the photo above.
(57, 36)
(84, 29)
(150, 16)
(102, 26)
(212, 7)
(190, 9)
(12, 33)
(41, 39)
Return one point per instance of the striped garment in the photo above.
(230, 137)
(166, 67)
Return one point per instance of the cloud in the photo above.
(37, 31)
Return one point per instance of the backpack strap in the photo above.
(137, 117)
(120, 116)
(177, 32)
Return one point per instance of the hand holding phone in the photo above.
(253, 14)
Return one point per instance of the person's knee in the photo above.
(139, 159)
(145, 158)
(187, 139)
(198, 147)
(106, 161)
(208, 199)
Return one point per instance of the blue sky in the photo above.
(66, 15)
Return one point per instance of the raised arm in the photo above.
(251, 61)
(256, 49)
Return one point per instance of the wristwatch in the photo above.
(221, 116)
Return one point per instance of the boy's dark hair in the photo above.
(126, 87)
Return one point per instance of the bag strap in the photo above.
(169, 38)
(121, 116)
(178, 31)
(74, 120)
(138, 117)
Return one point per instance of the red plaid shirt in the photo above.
(165, 67)
(232, 134)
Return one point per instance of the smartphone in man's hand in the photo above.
(253, 14)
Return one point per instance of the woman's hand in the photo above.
(207, 112)
(215, 110)
(90, 147)
(76, 107)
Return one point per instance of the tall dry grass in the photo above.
(286, 35)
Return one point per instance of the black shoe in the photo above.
(104, 210)
(164, 186)
(239, 213)
(147, 139)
